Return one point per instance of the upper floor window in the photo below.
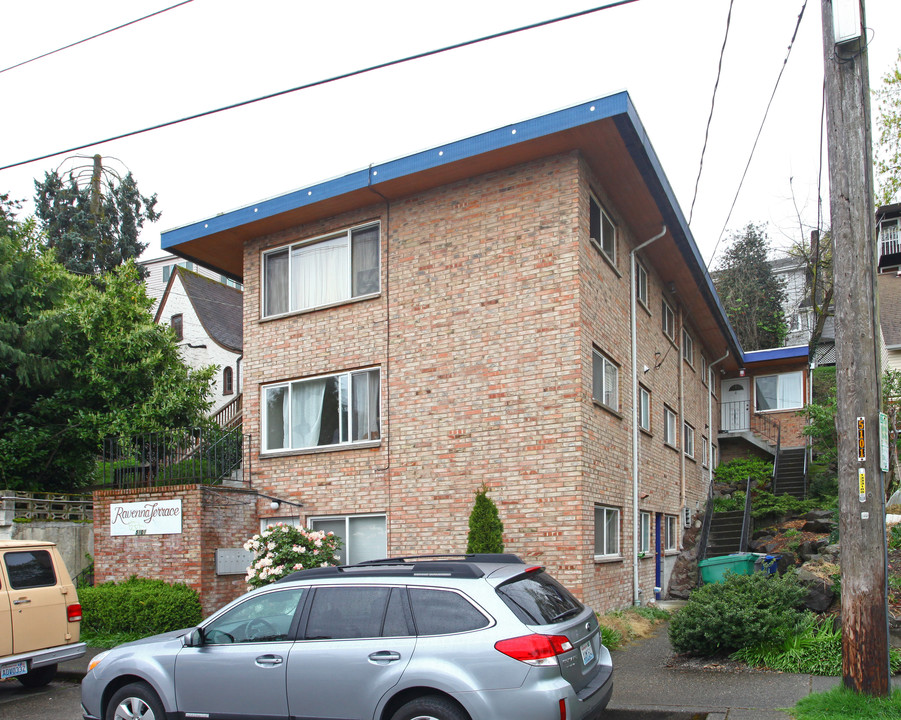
(167, 270)
(779, 392)
(602, 231)
(178, 326)
(228, 381)
(641, 284)
(688, 440)
(322, 411)
(321, 272)
(668, 321)
(688, 347)
(605, 381)
(644, 408)
(669, 426)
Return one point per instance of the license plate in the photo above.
(9, 671)
(587, 653)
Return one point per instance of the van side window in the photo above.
(29, 569)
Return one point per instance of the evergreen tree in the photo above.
(485, 527)
(752, 295)
(93, 220)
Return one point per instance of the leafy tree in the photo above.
(93, 219)
(888, 151)
(816, 258)
(752, 295)
(485, 527)
(80, 359)
(891, 406)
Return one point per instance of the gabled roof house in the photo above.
(525, 309)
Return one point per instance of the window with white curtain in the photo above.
(605, 380)
(779, 392)
(606, 531)
(644, 538)
(670, 533)
(322, 411)
(363, 537)
(321, 272)
(669, 426)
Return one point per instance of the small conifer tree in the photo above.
(485, 527)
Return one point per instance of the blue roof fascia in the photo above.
(639, 145)
(784, 353)
(435, 157)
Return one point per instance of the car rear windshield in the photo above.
(537, 599)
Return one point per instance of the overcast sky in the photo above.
(210, 53)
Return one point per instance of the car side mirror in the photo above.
(194, 638)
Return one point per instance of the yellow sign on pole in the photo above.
(862, 484)
(861, 439)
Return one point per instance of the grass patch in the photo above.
(843, 704)
(620, 627)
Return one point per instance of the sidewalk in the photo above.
(642, 682)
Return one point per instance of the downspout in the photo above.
(680, 430)
(636, 593)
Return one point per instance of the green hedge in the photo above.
(139, 605)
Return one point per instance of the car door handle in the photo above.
(21, 601)
(384, 657)
(269, 660)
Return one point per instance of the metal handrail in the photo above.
(705, 526)
(746, 520)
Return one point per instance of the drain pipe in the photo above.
(636, 591)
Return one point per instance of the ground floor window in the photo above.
(606, 531)
(644, 539)
(363, 537)
(671, 530)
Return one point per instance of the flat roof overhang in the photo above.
(606, 131)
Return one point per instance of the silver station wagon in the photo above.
(478, 637)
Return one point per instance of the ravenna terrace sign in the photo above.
(158, 517)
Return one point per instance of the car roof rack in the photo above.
(450, 565)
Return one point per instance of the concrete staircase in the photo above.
(789, 478)
(725, 533)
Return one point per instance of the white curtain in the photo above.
(276, 283)
(306, 409)
(320, 273)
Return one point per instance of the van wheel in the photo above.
(38, 677)
(137, 701)
(430, 707)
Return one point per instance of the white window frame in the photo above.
(798, 374)
(348, 554)
(670, 426)
(668, 320)
(706, 450)
(606, 244)
(641, 284)
(688, 439)
(688, 347)
(644, 534)
(608, 368)
(346, 292)
(670, 533)
(705, 369)
(608, 517)
(644, 408)
(346, 386)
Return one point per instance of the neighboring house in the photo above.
(465, 316)
(888, 230)
(206, 316)
(159, 270)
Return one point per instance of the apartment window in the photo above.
(779, 392)
(688, 440)
(644, 538)
(225, 280)
(177, 324)
(688, 347)
(641, 284)
(668, 321)
(228, 381)
(670, 535)
(602, 230)
(705, 370)
(167, 270)
(605, 380)
(644, 408)
(322, 411)
(705, 450)
(713, 457)
(363, 537)
(321, 272)
(669, 426)
(606, 531)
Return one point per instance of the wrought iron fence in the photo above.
(176, 457)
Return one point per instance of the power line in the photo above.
(93, 37)
(719, 71)
(317, 83)
(759, 132)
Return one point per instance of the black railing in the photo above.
(174, 457)
(736, 416)
(705, 527)
(746, 520)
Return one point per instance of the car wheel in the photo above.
(137, 701)
(38, 677)
(430, 707)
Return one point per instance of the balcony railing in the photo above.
(889, 240)
(736, 416)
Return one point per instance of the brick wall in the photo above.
(211, 519)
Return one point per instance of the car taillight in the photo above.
(539, 650)
(73, 612)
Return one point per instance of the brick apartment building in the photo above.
(464, 316)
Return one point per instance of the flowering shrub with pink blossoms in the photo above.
(283, 549)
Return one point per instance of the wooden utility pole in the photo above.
(865, 664)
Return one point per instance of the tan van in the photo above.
(40, 618)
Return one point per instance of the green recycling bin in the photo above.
(713, 570)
